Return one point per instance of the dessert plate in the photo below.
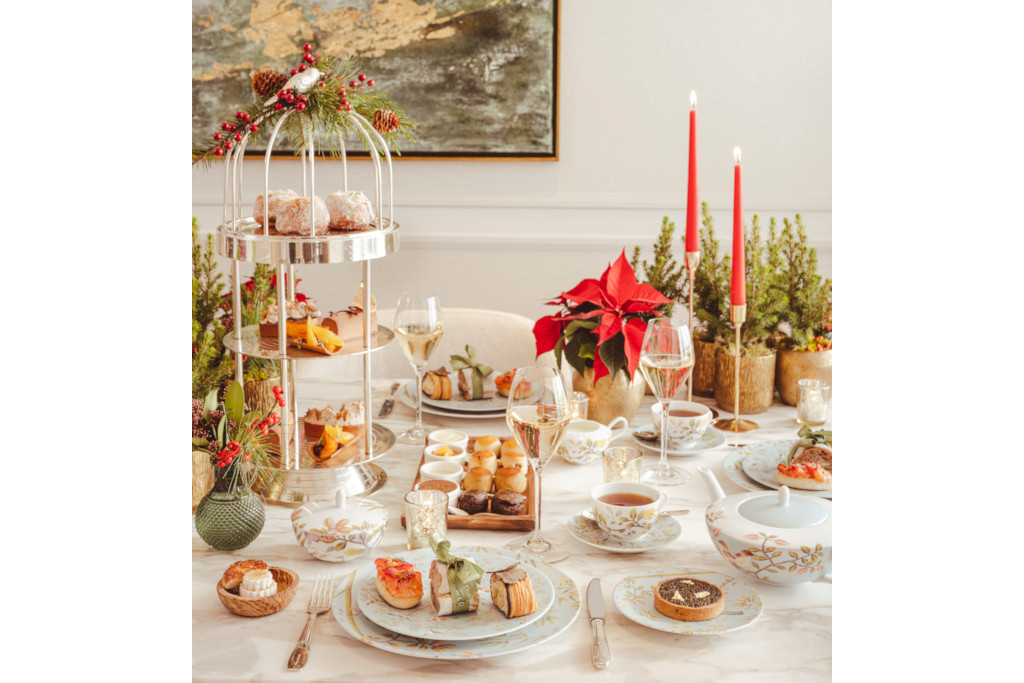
(422, 621)
(557, 619)
(585, 529)
(494, 403)
(634, 596)
(712, 438)
(409, 401)
(761, 459)
(733, 465)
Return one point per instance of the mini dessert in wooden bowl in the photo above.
(287, 586)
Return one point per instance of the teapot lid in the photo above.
(784, 511)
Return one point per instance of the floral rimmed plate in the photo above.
(634, 596)
(492, 403)
(733, 466)
(665, 530)
(760, 461)
(422, 621)
(712, 438)
(407, 400)
(558, 618)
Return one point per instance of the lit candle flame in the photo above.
(736, 153)
(693, 99)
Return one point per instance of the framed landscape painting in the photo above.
(479, 76)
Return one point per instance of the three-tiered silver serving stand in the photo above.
(296, 477)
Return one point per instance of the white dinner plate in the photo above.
(733, 466)
(760, 462)
(712, 438)
(494, 402)
(422, 621)
(558, 618)
(665, 530)
(634, 596)
(407, 399)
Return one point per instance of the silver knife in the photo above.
(389, 402)
(600, 654)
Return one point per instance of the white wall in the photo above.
(510, 234)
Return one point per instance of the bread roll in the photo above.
(510, 478)
(515, 460)
(688, 599)
(488, 443)
(511, 446)
(479, 478)
(486, 459)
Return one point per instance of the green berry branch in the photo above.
(321, 90)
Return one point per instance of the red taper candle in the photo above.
(692, 222)
(739, 272)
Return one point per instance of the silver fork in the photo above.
(319, 602)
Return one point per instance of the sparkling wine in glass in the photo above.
(418, 329)
(538, 414)
(666, 360)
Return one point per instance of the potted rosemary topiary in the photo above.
(711, 306)
(806, 350)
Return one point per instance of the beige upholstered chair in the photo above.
(502, 340)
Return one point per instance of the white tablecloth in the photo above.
(791, 640)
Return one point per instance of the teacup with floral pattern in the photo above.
(626, 510)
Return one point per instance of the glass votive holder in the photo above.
(812, 406)
(621, 463)
(426, 511)
(580, 401)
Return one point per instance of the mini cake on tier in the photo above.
(298, 311)
(276, 197)
(293, 216)
(349, 211)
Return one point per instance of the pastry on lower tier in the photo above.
(349, 210)
(473, 501)
(485, 459)
(510, 478)
(512, 592)
(276, 197)
(297, 311)
(479, 478)
(398, 582)
(314, 421)
(236, 572)
(508, 502)
(441, 595)
(352, 418)
(258, 583)
(293, 216)
(437, 385)
(688, 599)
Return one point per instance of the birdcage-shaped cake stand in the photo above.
(295, 476)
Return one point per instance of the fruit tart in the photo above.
(398, 582)
(808, 475)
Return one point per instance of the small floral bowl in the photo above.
(342, 530)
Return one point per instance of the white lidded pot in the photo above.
(340, 530)
(773, 536)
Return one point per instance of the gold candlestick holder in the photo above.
(735, 423)
(692, 261)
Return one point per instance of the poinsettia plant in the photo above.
(602, 322)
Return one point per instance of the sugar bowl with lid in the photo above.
(773, 536)
(340, 530)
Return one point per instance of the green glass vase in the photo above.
(229, 517)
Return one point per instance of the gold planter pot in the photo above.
(202, 476)
(609, 399)
(704, 368)
(757, 382)
(793, 366)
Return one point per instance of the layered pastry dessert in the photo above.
(512, 592)
(688, 599)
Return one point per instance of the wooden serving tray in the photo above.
(525, 522)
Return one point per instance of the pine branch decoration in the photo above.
(664, 274)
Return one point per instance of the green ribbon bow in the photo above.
(463, 576)
(809, 438)
(479, 370)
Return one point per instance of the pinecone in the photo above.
(385, 120)
(266, 83)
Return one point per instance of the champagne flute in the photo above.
(418, 329)
(538, 414)
(666, 359)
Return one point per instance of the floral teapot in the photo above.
(773, 536)
(340, 530)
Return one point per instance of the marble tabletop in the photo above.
(791, 639)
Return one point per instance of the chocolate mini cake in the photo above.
(473, 501)
(508, 502)
(688, 599)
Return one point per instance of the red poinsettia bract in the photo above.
(616, 302)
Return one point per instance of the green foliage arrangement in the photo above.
(808, 295)
(212, 365)
(235, 439)
(766, 304)
(664, 273)
(711, 284)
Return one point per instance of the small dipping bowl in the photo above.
(448, 471)
(457, 454)
(444, 486)
(452, 437)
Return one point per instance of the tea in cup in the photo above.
(626, 511)
(687, 421)
(584, 440)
